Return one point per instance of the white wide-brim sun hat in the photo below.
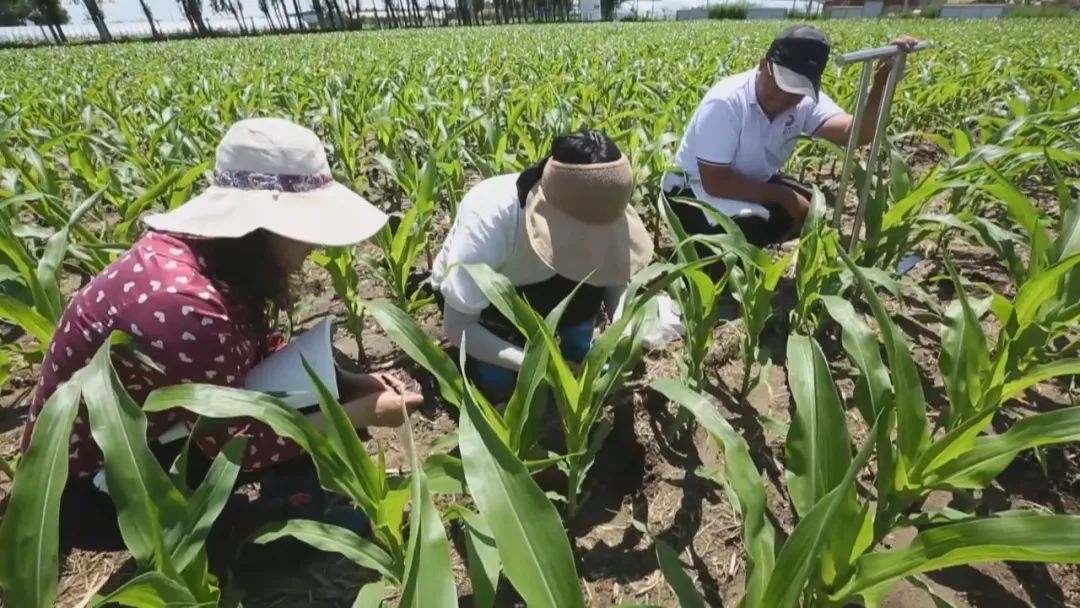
(273, 174)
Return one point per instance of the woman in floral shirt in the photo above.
(199, 292)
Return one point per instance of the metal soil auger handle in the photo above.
(867, 57)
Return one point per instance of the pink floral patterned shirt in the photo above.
(157, 293)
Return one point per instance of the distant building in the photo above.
(308, 17)
(888, 3)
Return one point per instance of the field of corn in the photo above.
(828, 431)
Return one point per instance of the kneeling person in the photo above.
(564, 220)
(745, 130)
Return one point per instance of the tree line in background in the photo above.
(288, 16)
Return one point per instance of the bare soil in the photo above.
(642, 475)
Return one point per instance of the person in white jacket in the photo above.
(564, 220)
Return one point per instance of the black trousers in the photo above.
(759, 231)
(88, 517)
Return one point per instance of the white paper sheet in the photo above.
(284, 371)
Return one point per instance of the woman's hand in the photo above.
(383, 408)
(389, 382)
(354, 386)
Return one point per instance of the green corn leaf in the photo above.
(532, 544)
(745, 481)
(818, 447)
(483, 558)
(1023, 211)
(965, 354)
(873, 388)
(521, 410)
(30, 529)
(1040, 373)
(527, 390)
(208, 500)
(151, 512)
(371, 595)
(1025, 328)
(335, 539)
(1033, 295)
(977, 468)
(910, 402)
(676, 577)
(1067, 242)
(429, 580)
(30, 320)
(801, 553)
(214, 401)
(149, 590)
(502, 295)
(342, 438)
(52, 257)
(1033, 538)
(410, 337)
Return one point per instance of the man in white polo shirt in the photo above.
(745, 129)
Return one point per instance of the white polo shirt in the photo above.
(729, 128)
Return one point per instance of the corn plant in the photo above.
(579, 397)
(343, 464)
(513, 513)
(340, 263)
(829, 559)
(402, 240)
(41, 188)
(164, 529)
(697, 294)
(420, 566)
(817, 274)
(751, 273)
(30, 296)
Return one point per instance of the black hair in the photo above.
(582, 147)
(247, 268)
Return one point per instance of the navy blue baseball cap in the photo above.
(798, 56)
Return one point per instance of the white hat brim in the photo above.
(331, 216)
(792, 82)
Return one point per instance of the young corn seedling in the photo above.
(30, 297)
(753, 285)
(340, 263)
(345, 468)
(43, 191)
(1025, 214)
(515, 423)
(896, 212)
(697, 295)
(832, 558)
(404, 238)
(513, 512)
(816, 273)
(164, 528)
(401, 241)
(579, 397)
(753, 276)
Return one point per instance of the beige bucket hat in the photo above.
(273, 174)
(580, 223)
